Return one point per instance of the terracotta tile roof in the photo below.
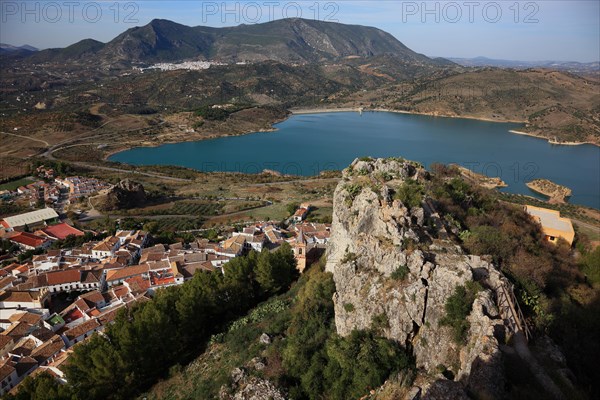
(48, 349)
(117, 274)
(179, 259)
(24, 347)
(5, 340)
(42, 333)
(6, 370)
(107, 244)
(123, 234)
(159, 248)
(82, 305)
(94, 296)
(5, 282)
(19, 296)
(159, 265)
(152, 257)
(120, 291)
(81, 329)
(25, 364)
(90, 276)
(28, 239)
(190, 269)
(61, 231)
(195, 257)
(137, 284)
(27, 317)
(300, 212)
(176, 246)
(22, 268)
(10, 267)
(54, 252)
(109, 316)
(63, 277)
(38, 281)
(18, 330)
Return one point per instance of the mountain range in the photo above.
(571, 66)
(291, 40)
(10, 49)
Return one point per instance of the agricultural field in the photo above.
(15, 184)
(184, 207)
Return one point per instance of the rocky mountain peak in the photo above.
(395, 268)
(125, 194)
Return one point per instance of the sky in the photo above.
(501, 29)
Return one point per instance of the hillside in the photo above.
(398, 282)
(555, 105)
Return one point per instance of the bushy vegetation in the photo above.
(353, 191)
(150, 337)
(458, 307)
(400, 273)
(141, 110)
(88, 119)
(196, 208)
(322, 365)
(557, 296)
(291, 208)
(305, 358)
(42, 387)
(590, 266)
(7, 209)
(213, 114)
(410, 193)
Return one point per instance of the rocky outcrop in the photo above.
(394, 272)
(557, 194)
(247, 387)
(125, 194)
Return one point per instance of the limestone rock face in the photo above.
(125, 194)
(246, 387)
(392, 270)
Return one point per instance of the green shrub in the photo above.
(400, 273)
(349, 307)
(348, 257)
(291, 208)
(410, 193)
(590, 266)
(213, 114)
(380, 322)
(353, 190)
(458, 306)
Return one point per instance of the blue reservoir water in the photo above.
(311, 143)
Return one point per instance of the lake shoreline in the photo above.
(550, 140)
(304, 111)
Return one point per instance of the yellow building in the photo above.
(553, 225)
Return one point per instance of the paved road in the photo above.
(586, 225)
